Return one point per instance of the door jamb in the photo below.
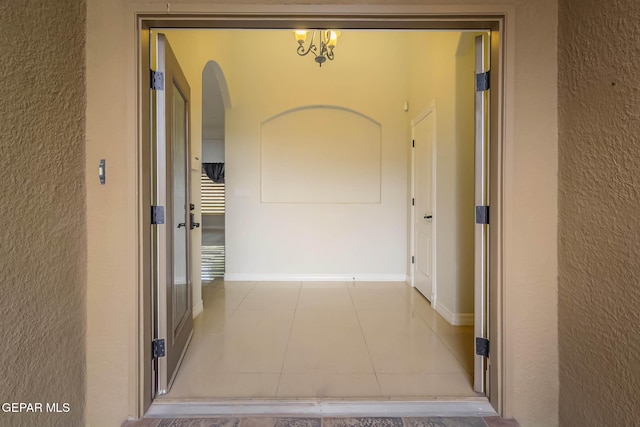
(382, 18)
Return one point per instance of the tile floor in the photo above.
(323, 340)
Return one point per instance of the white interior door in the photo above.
(171, 161)
(423, 199)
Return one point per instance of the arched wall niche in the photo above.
(321, 154)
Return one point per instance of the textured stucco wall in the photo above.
(42, 209)
(599, 207)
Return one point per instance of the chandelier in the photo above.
(321, 44)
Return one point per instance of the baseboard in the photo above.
(456, 319)
(197, 309)
(239, 277)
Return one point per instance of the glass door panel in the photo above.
(180, 210)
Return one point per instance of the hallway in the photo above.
(323, 340)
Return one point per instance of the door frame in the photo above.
(426, 17)
(431, 109)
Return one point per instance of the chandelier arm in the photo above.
(302, 52)
(312, 47)
(329, 54)
(322, 51)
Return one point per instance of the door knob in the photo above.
(182, 224)
(428, 216)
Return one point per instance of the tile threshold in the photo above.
(458, 407)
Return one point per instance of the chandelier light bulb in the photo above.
(301, 36)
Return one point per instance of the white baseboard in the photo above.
(237, 277)
(198, 309)
(456, 319)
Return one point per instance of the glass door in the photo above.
(172, 260)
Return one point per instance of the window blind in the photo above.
(212, 196)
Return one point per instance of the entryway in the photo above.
(417, 321)
(215, 99)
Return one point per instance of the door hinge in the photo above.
(482, 81)
(482, 347)
(482, 214)
(413, 142)
(413, 259)
(413, 202)
(157, 214)
(157, 80)
(157, 348)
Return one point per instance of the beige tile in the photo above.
(407, 354)
(222, 287)
(201, 353)
(293, 285)
(211, 324)
(401, 285)
(329, 299)
(372, 286)
(327, 353)
(225, 385)
(250, 353)
(215, 316)
(462, 347)
(414, 298)
(226, 304)
(326, 322)
(223, 298)
(270, 299)
(225, 295)
(426, 385)
(401, 322)
(440, 325)
(259, 322)
(325, 289)
(381, 300)
(324, 285)
(319, 291)
(328, 385)
(313, 333)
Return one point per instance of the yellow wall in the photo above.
(345, 239)
(441, 70)
(530, 269)
(465, 168)
(296, 236)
